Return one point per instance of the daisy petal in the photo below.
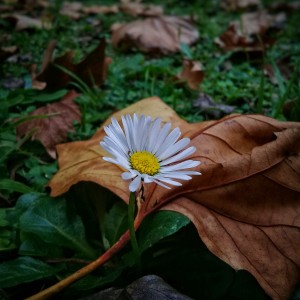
(134, 185)
(147, 178)
(153, 134)
(127, 175)
(187, 152)
(175, 148)
(183, 165)
(161, 184)
(169, 181)
(175, 175)
(161, 137)
(169, 141)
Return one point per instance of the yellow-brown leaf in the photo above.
(246, 205)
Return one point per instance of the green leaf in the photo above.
(15, 100)
(7, 230)
(46, 97)
(3, 221)
(32, 245)
(14, 186)
(23, 269)
(8, 144)
(27, 201)
(158, 226)
(116, 222)
(55, 222)
(154, 228)
(36, 174)
(90, 201)
(7, 239)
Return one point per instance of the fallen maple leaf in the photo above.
(192, 73)
(245, 205)
(162, 35)
(53, 129)
(92, 70)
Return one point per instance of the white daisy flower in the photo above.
(148, 152)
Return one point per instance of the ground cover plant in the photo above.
(225, 72)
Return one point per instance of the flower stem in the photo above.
(133, 240)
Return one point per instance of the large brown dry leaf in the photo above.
(246, 205)
(192, 73)
(57, 121)
(92, 70)
(155, 35)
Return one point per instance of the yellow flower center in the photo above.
(144, 162)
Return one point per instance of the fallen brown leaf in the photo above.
(24, 22)
(250, 32)
(231, 40)
(71, 9)
(192, 73)
(75, 10)
(205, 103)
(92, 70)
(245, 205)
(140, 9)
(257, 23)
(100, 9)
(156, 35)
(235, 5)
(53, 129)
